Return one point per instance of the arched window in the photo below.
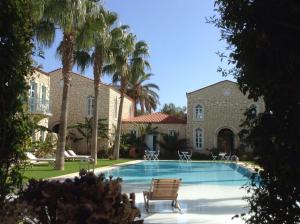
(198, 138)
(199, 112)
(90, 106)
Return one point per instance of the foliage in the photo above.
(15, 65)
(171, 109)
(143, 93)
(87, 199)
(128, 141)
(263, 41)
(69, 17)
(85, 130)
(47, 147)
(129, 58)
(172, 144)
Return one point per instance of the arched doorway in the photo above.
(226, 140)
(55, 128)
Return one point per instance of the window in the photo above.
(44, 94)
(133, 132)
(199, 138)
(90, 106)
(199, 112)
(116, 108)
(32, 97)
(42, 135)
(172, 132)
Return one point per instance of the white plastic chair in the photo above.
(180, 155)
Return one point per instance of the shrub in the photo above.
(87, 199)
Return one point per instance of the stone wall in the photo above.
(81, 88)
(224, 105)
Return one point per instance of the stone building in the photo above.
(214, 115)
(81, 103)
(165, 124)
(39, 101)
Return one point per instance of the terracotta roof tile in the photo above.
(155, 118)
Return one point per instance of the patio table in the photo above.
(222, 155)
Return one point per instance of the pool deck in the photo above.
(203, 204)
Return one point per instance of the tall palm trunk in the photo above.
(142, 106)
(97, 74)
(135, 107)
(67, 61)
(118, 131)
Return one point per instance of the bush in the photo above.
(87, 199)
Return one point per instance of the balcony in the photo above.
(39, 106)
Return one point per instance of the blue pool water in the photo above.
(206, 173)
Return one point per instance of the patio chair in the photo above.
(189, 156)
(34, 160)
(163, 189)
(214, 157)
(180, 155)
(155, 155)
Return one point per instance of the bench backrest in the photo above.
(164, 189)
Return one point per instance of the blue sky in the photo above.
(182, 45)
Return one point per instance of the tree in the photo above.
(100, 34)
(16, 33)
(143, 93)
(86, 130)
(129, 56)
(171, 109)
(172, 144)
(69, 16)
(263, 45)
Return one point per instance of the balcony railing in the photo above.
(39, 106)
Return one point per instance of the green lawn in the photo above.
(45, 171)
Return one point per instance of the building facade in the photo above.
(164, 124)
(81, 103)
(39, 106)
(214, 115)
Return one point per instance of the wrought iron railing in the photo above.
(39, 106)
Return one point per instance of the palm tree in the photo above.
(86, 129)
(69, 16)
(100, 34)
(143, 94)
(129, 57)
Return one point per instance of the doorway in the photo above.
(226, 141)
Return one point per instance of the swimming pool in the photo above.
(204, 173)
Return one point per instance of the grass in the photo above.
(43, 171)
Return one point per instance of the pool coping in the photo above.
(97, 170)
(251, 168)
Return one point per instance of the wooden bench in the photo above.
(163, 189)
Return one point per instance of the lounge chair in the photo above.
(34, 160)
(163, 189)
(72, 153)
(70, 157)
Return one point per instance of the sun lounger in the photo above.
(81, 158)
(34, 160)
(163, 189)
(72, 153)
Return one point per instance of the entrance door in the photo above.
(226, 141)
(151, 141)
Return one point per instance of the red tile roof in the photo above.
(155, 118)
